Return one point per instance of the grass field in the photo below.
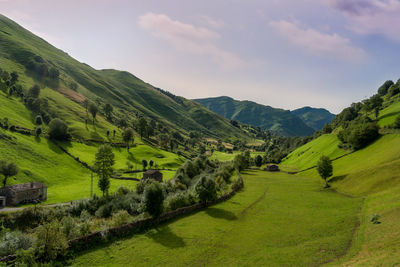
(389, 114)
(162, 158)
(222, 156)
(277, 220)
(309, 154)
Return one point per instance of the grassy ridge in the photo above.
(278, 219)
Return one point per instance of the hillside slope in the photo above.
(372, 173)
(315, 118)
(278, 120)
(130, 96)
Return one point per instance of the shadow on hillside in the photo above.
(221, 214)
(388, 115)
(53, 147)
(166, 237)
(337, 178)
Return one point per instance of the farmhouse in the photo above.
(153, 174)
(271, 168)
(23, 193)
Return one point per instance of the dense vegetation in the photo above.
(316, 118)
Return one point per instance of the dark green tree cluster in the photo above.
(8, 83)
(58, 130)
(7, 169)
(41, 68)
(359, 134)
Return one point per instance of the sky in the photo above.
(282, 53)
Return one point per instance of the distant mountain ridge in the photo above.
(315, 118)
(280, 121)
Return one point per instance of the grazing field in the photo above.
(162, 158)
(372, 172)
(277, 220)
(388, 115)
(308, 155)
(40, 160)
(222, 156)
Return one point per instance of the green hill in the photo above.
(315, 118)
(277, 120)
(36, 61)
(371, 173)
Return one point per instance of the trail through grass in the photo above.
(277, 220)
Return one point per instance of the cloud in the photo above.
(371, 16)
(189, 38)
(213, 23)
(332, 45)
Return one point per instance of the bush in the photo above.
(206, 189)
(38, 120)
(120, 218)
(179, 200)
(58, 130)
(104, 211)
(359, 134)
(153, 199)
(13, 241)
(38, 131)
(69, 227)
(51, 241)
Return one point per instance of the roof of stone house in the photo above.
(24, 187)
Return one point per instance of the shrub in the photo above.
(58, 130)
(206, 189)
(13, 241)
(104, 211)
(179, 200)
(258, 161)
(51, 241)
(120, 218)
(38, 131)
(153, 198)
(69, 227)
(38, 120)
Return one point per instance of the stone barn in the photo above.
(271, 168)
(152, 174)
(24, 193)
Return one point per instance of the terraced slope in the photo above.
(277, 220)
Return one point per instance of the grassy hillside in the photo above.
(308, 155)
(130, 96)
(282, 219)
(373, 173)
(277, 120)
(316, 118)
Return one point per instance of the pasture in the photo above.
(277, 220)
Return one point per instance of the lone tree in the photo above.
(325, 169)
(258, 161)
(151, 163)
(144, 163)
(128, 136)
(104, 167)
(58, 130)
(93, 109)
(34, 91)
(108, 109)
(153, 199)
(375, 103)
(205, 189)
(142, 127)
(8, 170)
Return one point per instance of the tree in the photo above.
(144, 163)
(142, 127)
(383, 90)
(206, 189)
(51, 241)
(396, 124)
(258, 161)
(104, 167)
(14, 77)
(151, 163)
(86, 105)
(128, 136)
(93, 110)
(325, 168)
(8, 170)
(34, 91)
(58, 130)
(108, 109)
(375, 103)
(38, 131)
(38, 120)
(153, 199)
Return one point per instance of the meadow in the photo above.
(278, 219)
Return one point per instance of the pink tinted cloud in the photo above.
(371, 16)
(331, 45)
(189, 38)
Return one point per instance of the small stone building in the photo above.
(153, 174)
(24, 193)
(271, 168)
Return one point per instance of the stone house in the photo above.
(153, 174)
(271, 168)
(24, 193)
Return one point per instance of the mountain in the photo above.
(315, 118)
(38, 62)
(277, 120)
